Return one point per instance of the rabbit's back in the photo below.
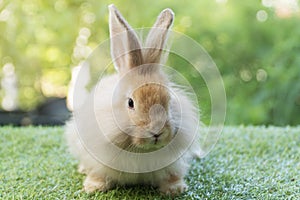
(95, 110)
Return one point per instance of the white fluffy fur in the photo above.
(103, 112)
(89, 143)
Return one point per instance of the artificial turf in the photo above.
(246, 163)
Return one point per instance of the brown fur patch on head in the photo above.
(144, 115)
(147, 69)
(150, 94)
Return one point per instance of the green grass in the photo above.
(247, 163)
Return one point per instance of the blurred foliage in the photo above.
(256, 48)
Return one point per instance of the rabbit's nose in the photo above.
(158, 117)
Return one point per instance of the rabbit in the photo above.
(136, 111)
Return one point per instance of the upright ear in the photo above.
(125, 47)
(157, 37)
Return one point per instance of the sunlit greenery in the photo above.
(255, 44)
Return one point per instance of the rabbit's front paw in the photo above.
(174, 189)
(82, 170)
(173, 186)
(92, 184)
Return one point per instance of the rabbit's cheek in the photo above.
(138, 141)
(166, 137)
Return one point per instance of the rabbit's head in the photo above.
(141, 100)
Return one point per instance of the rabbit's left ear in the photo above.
(125, 46)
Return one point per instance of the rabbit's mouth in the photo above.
(150, 147)
(154, 142)
(137, 139)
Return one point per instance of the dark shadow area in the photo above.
(52, 112)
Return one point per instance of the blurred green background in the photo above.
(255, 44)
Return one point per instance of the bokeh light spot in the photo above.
(262, 15)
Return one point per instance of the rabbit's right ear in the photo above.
(125, 47)
(157, 37)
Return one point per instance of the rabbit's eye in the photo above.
(130, 103)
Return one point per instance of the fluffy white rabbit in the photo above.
(136, 126)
